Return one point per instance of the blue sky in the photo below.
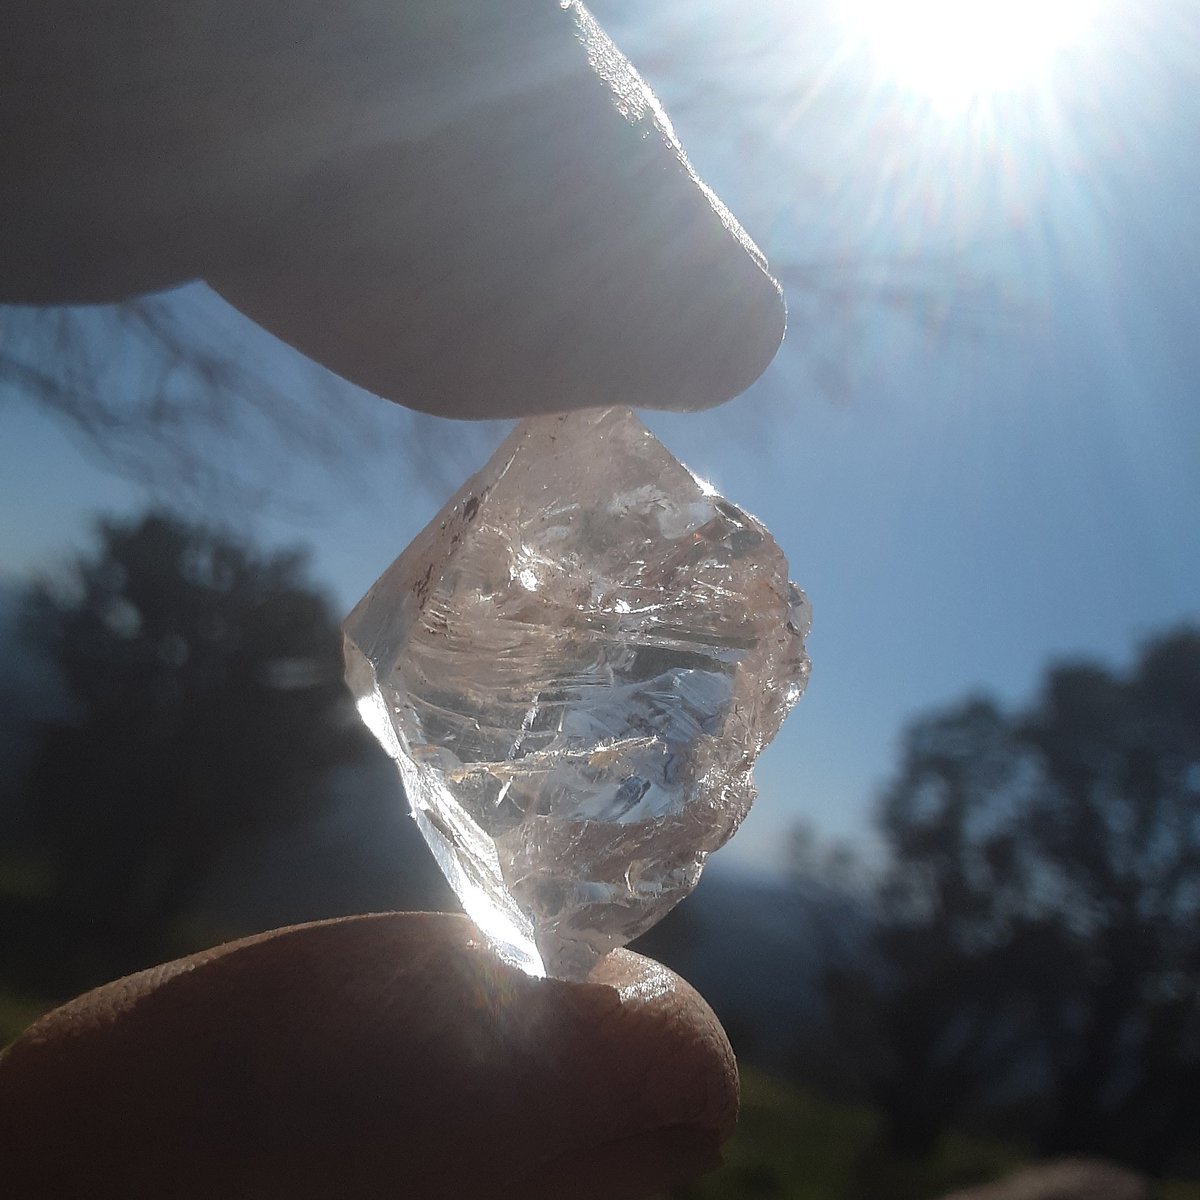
(1006, 474)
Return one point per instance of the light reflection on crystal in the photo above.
(574, 667)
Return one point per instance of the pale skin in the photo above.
(469, 207)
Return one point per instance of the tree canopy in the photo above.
(205, 708)
(1042, 939)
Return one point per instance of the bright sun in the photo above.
(954, 51)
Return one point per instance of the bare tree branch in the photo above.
(180, 394)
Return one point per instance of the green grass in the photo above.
(789, 1144)
(16, 1012)
(792, 1144)
(1173, 1190)
(25, 879)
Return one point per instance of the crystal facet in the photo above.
(574, 667)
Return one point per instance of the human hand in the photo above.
(388, 1055)
(472, 207)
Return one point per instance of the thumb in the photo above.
(371, 1056)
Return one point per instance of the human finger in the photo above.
(372, 1056)
(472, 207)
(549, 249)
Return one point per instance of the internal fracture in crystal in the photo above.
(574, 667)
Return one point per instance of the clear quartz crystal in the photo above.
(574, 667)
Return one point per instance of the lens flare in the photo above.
(955, 51)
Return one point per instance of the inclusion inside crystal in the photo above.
(574, 667)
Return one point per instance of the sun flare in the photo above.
(954, 51)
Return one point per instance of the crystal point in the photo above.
(574, 667)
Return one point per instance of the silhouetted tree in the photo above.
(181, 394)
(206, 708)
(1044, 913)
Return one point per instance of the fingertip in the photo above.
(552, 250)
(344, 1057)
(694, 1076)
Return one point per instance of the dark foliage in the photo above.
(205, 709)
(1042, 943)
